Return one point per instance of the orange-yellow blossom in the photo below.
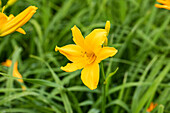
(11, 2)
(11, 24)
(87, 53)
(8, 63)
(166, 4)
(151, 107)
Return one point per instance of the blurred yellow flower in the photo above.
(11, 24)
(166, 4)
(11, 2)
(151, 107)
(107, 28)
(8, 63)
(0, 3)
(87, 54)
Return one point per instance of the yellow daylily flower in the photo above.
(107, 28)
(87, 53)
(11, 24)
(0, 3)
(151, 107)
(11, 2)
(16, 73)
(166, 4)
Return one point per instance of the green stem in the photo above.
(104, 98)
(103, 89)
(102, 69)
(161, 109)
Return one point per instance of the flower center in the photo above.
(92, 58)
(89, 57)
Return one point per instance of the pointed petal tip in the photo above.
(162, 6)
(23, 88)
(116, 50)
(7, 63)
(157, 5)
(92, 88)
(24, 33)
(73, 27)
(62, 68)
(56, 48)
(108, 21)
(114, 53)
(107, 27)
(33, 7)
(20, 30)
(65, 69)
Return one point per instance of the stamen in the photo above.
(92, 58)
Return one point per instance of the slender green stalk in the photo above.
(103, 89)
(161, 109)
(102, 69)
(104, 98)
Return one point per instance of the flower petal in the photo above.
(18, 21)
(162, 1)
(20, 30)
(162, 6)
(11, 16)
(17, 74)
(105, 52)
(94, 40)
(107, 27)
(73, 52)
(3, 20)
(7, 63)
(77, 36)
(90, 75)
(70, 67)
(11, 2)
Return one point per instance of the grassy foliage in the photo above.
(139, 31)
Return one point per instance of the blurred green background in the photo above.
(140, 32)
